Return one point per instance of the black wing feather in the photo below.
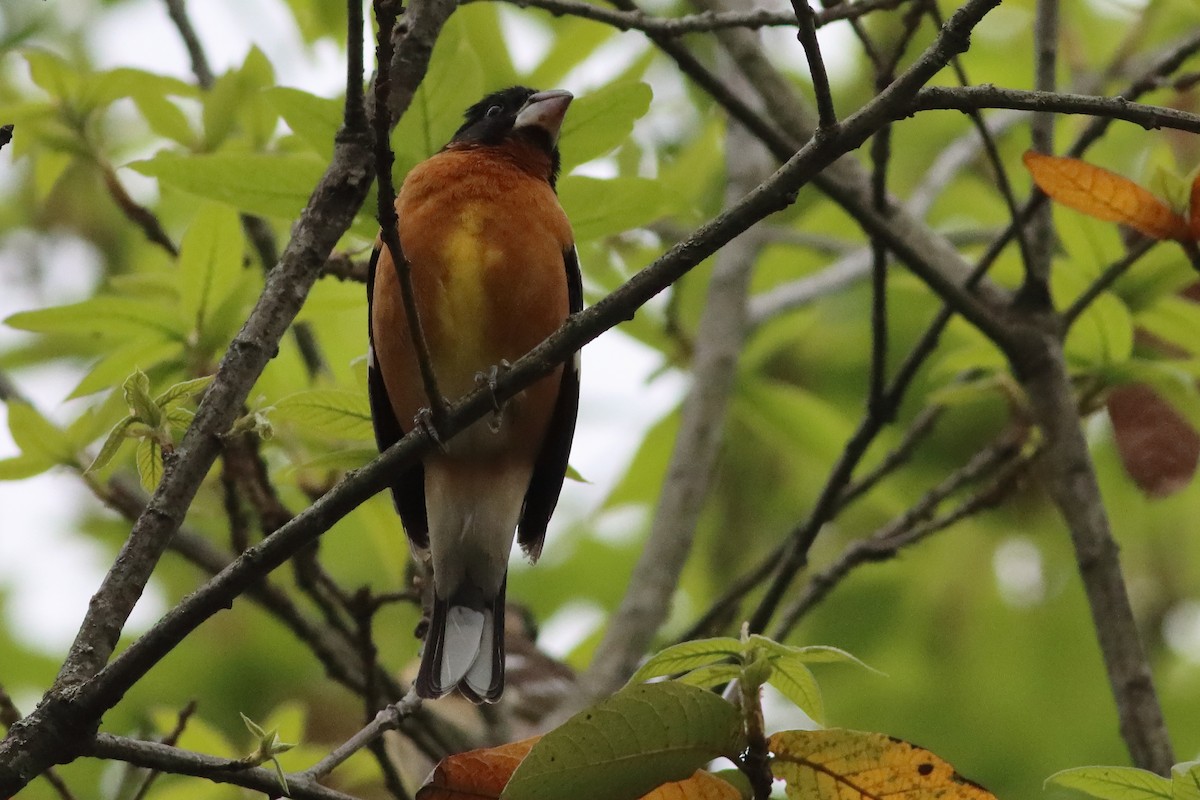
(408, 490)
(551, 467)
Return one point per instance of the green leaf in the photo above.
(105, 316)
(328, 411)
(52, 74)
(687, 656)
(120, 361)
(453, 82)
(210, 261)
(1174, 319)
(796, 682)
(264, 184)
(37, 436)
(18, 468)
(712, 675)
(232, 94)
(599, 208)
(137, 396)
(600, 121)
(1185, 781)
(628, 744)
(811, 654)
(182, 391)
(116, 437)
(574, 40)
(165, 118)
(149, 463)
(314, 119)
(1113, 783)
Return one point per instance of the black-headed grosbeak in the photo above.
(494, 272)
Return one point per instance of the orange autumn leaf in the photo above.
(483, 773)
(701, 786)
(475, 774)
(1105, 195)
(844, 765)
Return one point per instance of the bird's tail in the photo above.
(464, 648)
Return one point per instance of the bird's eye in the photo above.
(494, 111)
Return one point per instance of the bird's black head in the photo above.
(517, 114)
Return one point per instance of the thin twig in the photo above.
(387, 719)
(1035, 289)
(1105, 280)
(806, 34)
(385, 15)
(628, 20)
(966, 98)
(138, 214)
(171, 739)
(178, 13)
(1004, 459)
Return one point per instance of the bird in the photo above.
(494, 271)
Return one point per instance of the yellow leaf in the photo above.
(843, 765)
(1106, 196)
(701, 786)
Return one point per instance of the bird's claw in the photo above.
(424, 421)
(489, 379)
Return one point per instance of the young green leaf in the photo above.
(712, 675)
(1185, 781)
(329, 411)
(210, 261)
(796, 682)
(600, 121)
(112, 443)
(149, 463)
(687, 656)
(266, 184)
(37, 436)
(182, 391)
(137, 396)
(1113, 783)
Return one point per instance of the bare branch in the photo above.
(165, 758)
(1003, 459)
(386, 720)
(967, 98)
(637, 20)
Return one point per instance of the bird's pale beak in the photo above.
(545, 110)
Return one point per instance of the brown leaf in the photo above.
(851, 765)
(475, 774)
(1105, 195)
(1157, 445)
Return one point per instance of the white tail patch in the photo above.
(465, 631)
(479, 676)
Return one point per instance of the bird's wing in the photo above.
(408, 490)
(551, 466)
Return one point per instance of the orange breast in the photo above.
(485, 241)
